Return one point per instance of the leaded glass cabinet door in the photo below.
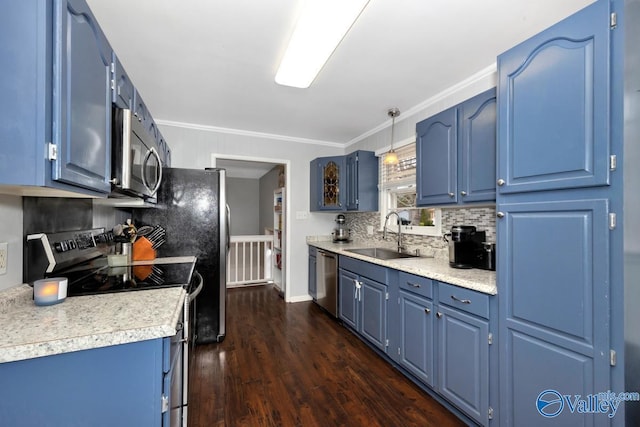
(332, 183)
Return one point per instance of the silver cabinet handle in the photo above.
(438, 315)
(451, 194)
(463, 193)
(501, 182)
(415, 285)
(463, 301)
(427, 310)
(500, 214)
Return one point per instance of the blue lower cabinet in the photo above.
(416, 344)
(373, 312)
(463, 362)
(348, 307)
(363, 307)
(119, 385)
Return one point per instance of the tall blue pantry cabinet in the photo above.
(567, 202)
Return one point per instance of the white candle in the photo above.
(50, 291)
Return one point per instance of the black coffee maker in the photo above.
(465, 246)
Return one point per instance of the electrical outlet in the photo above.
(3, 257)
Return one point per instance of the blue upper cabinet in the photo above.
(362, 181)
(82, 111)
(456, 153)
(554, 107)
(56, 103)
(436, 156)
(477, 148)
(341, 183)
(122, 86)
(328, 180)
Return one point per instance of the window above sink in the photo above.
(397, 192)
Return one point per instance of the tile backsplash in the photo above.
(483, 218)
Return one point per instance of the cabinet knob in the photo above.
(438, 315)
(451, 194)
(501, 182)
(427, 310)
(500, 214)
(463, 193)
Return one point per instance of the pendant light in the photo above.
(391, 158)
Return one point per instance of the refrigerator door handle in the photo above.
(228, 227)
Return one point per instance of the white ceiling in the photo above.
(212, 62)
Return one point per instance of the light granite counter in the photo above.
(434, 268)
(85, 322)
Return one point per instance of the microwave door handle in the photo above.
(152, 151)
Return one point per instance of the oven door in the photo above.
(137, 164)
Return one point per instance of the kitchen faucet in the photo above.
(384, 229)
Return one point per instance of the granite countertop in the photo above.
(434, 268)
(86, 322)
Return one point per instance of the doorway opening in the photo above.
(257, 196)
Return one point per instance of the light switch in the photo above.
(370, 230)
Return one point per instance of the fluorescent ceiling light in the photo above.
(320, 28)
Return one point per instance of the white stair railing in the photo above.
(249, 260)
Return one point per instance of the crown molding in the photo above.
(248, 133)
(480, 75)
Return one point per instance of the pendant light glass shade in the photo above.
(391, 158)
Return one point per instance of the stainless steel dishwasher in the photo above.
(327, 281)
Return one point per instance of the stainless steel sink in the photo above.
(381, 253)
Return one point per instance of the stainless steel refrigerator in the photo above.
(192, 207)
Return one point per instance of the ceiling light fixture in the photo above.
(391, 158)
(320, 28)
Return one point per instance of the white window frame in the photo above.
(386, 194)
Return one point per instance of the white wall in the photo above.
(192, 148)
(11, 232)
(243, 198)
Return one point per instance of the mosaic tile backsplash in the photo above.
(483, 218)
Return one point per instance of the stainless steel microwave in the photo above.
(136, 163)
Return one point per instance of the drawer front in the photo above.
(416, 284)
(363, 268)
(464, 299)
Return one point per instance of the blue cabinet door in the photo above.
(123, 90)
(82, 98)
(351, 169)
(553, 270)
(361, 187)
(417, 336)
(349, 293)
(328, 181)
(120, 385)
(463, 362)
(554, 106)
(477, 149)
(373, 312)
(436, 154)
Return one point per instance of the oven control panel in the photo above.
(50, 252)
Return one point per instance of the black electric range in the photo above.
(97, 277)
(81, 257)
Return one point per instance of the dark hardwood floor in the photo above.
(292, 365)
